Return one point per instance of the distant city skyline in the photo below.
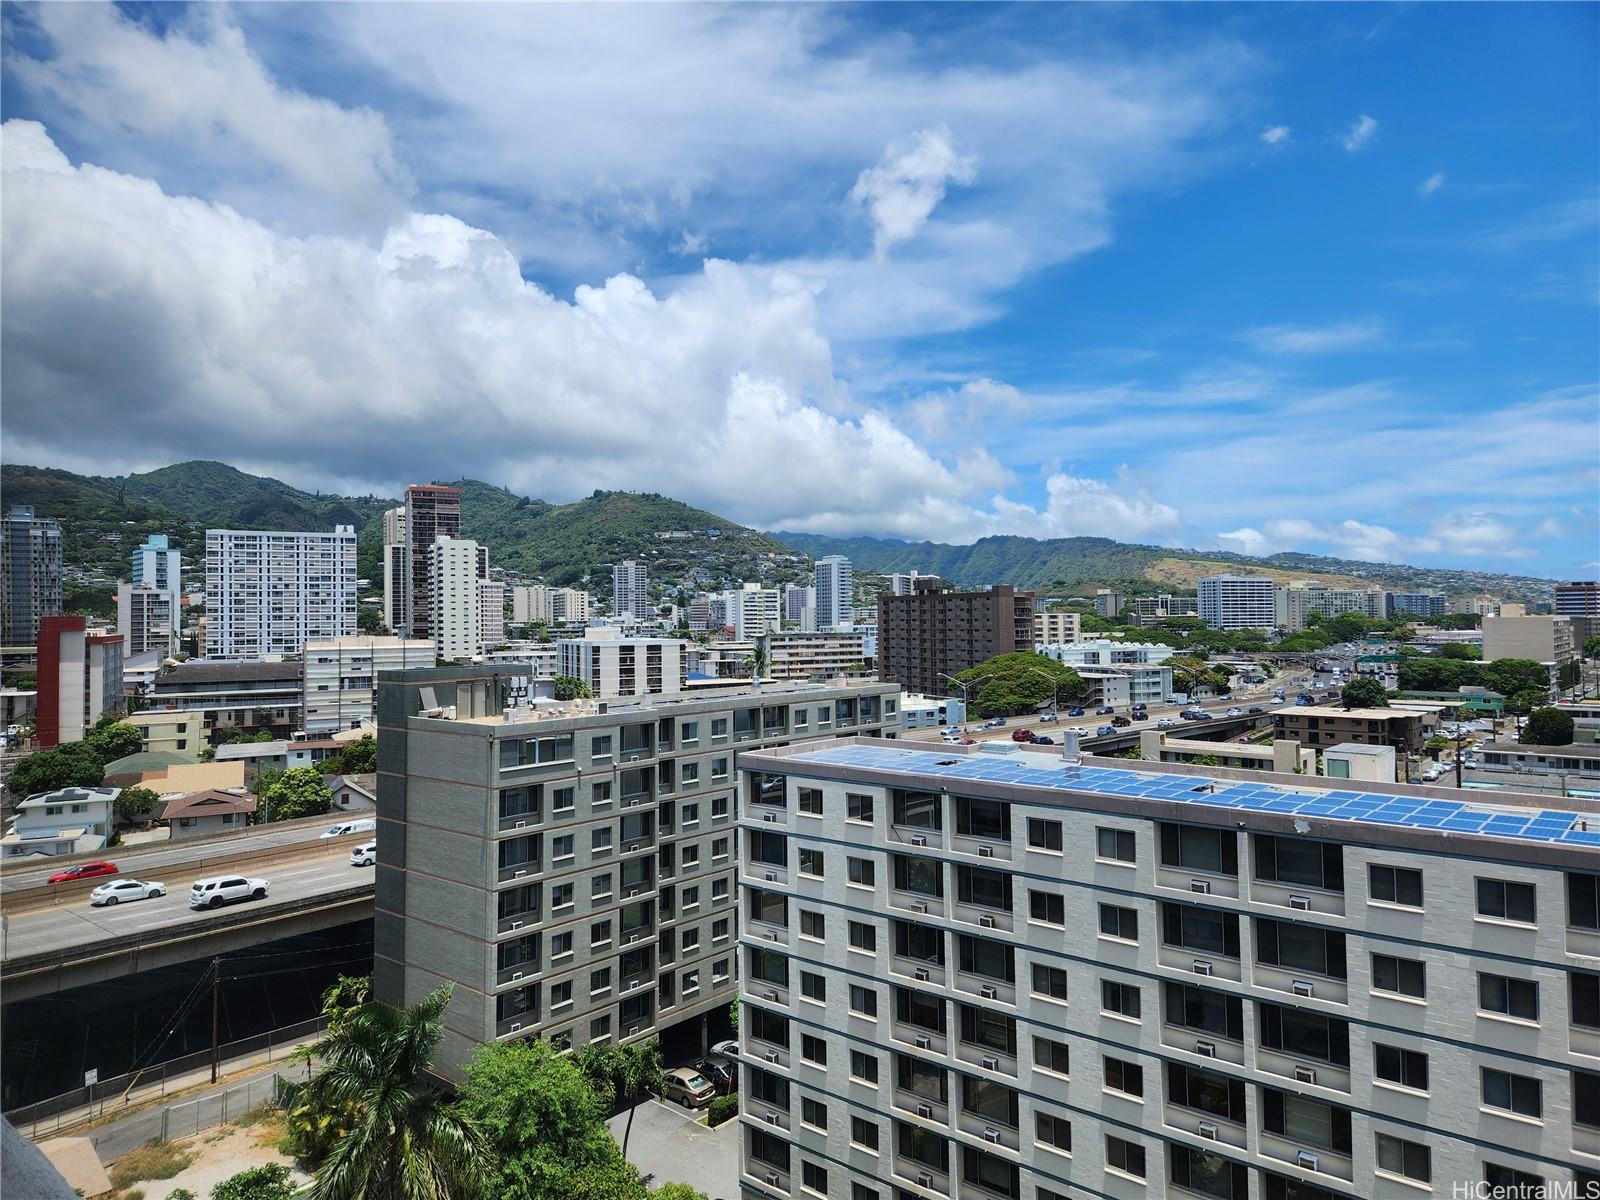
(1221, 278)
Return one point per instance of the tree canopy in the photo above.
(1591, 646)
(569, 687)
(298, 792)
(1020, 683)
(1364, 692)
(359, 757)
(1547, 727)
(136, 803)
(71, 765)
(114, 740)
(1524, 683)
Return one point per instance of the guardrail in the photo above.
(250, 913)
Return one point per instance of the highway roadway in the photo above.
(147, 860)
(78, 923)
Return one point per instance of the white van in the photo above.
(365, 825)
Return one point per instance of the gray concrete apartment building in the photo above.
(569, 866)
(971, 974)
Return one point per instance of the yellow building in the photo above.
(174, 729)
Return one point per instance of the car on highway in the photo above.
(1022, 735)
(1166, 722)
(1047, 718)
(364, 855)
(86, 870)
(1303, 702)
(1105, 731)
(1254, 709)
(1074, 712)
(1043, 740)
(120, 890)
(363, 825)
(1105, 710)
(1236, 712)
(226, 889)
(1121, 722)
(687, 1086)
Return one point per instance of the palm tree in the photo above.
(638, 1071)
(406, 1142)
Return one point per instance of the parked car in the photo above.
(364, 855)
(687, 1086)
(1074, 712)
(1104, 731)
(365, 825)
(1121, 722)
(225, 889)
(1105, 710)
(722, 1072)
(1022, 735)
(728, 1049)
(119, 890)
(1042, 740)
(86, 870)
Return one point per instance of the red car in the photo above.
(84, 871)
(1022, 735)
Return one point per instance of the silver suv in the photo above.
(225, 889)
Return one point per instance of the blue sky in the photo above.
(1312, 277)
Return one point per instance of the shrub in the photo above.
(153, 1160)
(180, 1194)
(270, 1182)
(723, 1108)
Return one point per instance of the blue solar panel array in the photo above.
(1559, 826)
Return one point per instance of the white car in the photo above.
(1166, 722)
(365, 825)
(728, 1049)
(225, 889)
(364, 855)
(119, 890)
(1047, 718)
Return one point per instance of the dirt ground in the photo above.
(222, 1152)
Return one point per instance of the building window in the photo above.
(813, 986)
(814, 1178)
(1402, 976)
(1047, 907)
(599, 838)
(1409, 1160)
(563, 799)
(1293, 947)
(861, 871)
(858, 807)
(1297, 863)
(1208, 1174)
(600, 746)
(1049, 981)
(1051, 1055)
(813, 1050)
(860, 1191)
(1520, 1094)
(561, 895)
(864, 1067)
(863, 1001)
(813, 1113)
(812, 924)
(1124, 1156)
(1507, 901)
(863, 937)
(1583, 900)
(1044, 835)
(1517, 998)
(1408, 1068)
(1584, 993)
(1119, 998)
(599, 981)
(1114, 845)
(1306, 1121)
(599, 934)
(1119, 922)
(811, 862)
(1123, 1076)
(810, 801)
(1395, 885)
(864, 1133)
(600, 1029)
(1053, 1131)
(1586, 1099)
(1196, 848)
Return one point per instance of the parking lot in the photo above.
(669, 1145)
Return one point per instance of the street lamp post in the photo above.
(1055, 688)
(966, 688)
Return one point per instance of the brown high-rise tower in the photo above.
(432, 511)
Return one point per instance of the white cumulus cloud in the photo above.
(1360, 133)
(902, 190)
(1431, 184)
(1277, 135)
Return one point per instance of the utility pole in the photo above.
(216, 991)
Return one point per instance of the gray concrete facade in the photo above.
(982, 989)
(570, 869)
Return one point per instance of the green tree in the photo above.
(407, 1142)
(1591, 647)
(109, 742)
(360, 757)
(677, 1191)
(1020, 683)
(269, 1182)
(1458, 651)
(1525, 700)
(136, 803)
(1364, 692)
(569, 687)
(297, 792)
(544, 1125)
(624, 1072)
(368, 619)
(1569, 674)
(733, 1015)
(1205, 760)
(1547, 727)
(71, 765)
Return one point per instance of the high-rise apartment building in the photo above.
(752, 610)
(1544, 638)
(1057, 628)
(1237, 601)
(30, 574)
(432, 511)
(935, 632)
(826, 655)
(613, 665)
(395, 550)
(797, 599)
(835, 584)
(1299, 600)
(341, 677)
(269, 593)
(1147, 610)
(550, 605)
(571, 868)
(148, 618)
(630, 590)
(1108, 603)
(1421, 604)
(904, 585)
(457, 568)
(79, 679)
(491, 613)
(157, 565)
(1580, 598)
(1001, 975)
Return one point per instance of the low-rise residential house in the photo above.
(1285, 755)
(1321, 726)
(1576, 759)
(243, 695)
(214, 810)
(353, 793)
(930, 712)
(72, 820)
(133, 769)
(280, 755)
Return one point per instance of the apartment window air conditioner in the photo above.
(990, 1063)
(772, 935)
(925, 1181)
(1206, 1049)
(1305, 1074)
(924, 1110)
(985, 851)
(519, 871)
(632, 983)
(986, 921)
(772, 1056)
(632, 846)
(772, 997)
(516, 975)
(1302, 987)
(922, 1042)
(918, 840)
(992, 1136)
(1208, 1129)
(918, 906)
(989, 993)
(1203, 886)
(922, 975)
(632, 892)
(1303, 903)
(772, 1118)
(772, 877)
(632, 1029)
(515, 925)
(1202, 967)
(516, 1027)
(769, 816)
(1307, 1161)
(772, 1178)
(520, 825)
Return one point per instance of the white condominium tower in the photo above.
(834, 581)
(1237, 601)
(268, 593)
(630, 590)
